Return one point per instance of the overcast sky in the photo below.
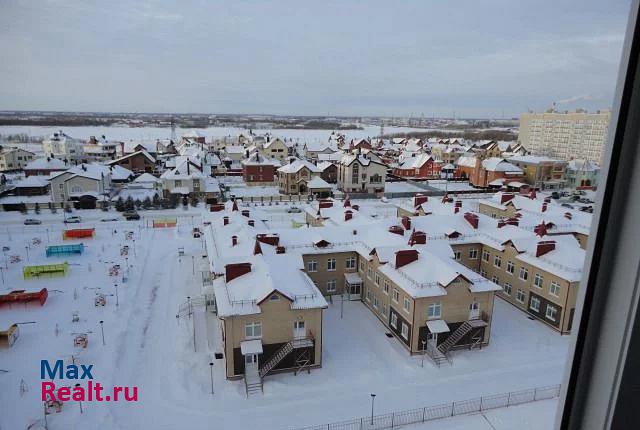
(433, 57)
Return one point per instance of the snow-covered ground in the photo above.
(146, 346)
(401, 187)
(451, 186)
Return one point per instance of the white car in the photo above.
(73, 220)
(294, 210)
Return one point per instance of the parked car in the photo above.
(384, 200)
(567, 205)
(131, 215)
(555, 195)
(294, 210)
(31, 221)
(109, 219)
(73, 220)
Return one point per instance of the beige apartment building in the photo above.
(565, 135)
(14, 159)
(293, 178)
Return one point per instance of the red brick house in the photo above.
(420, 166)
(138, 162)
(484, 173)
(258, 170)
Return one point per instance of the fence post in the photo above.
(453, 406)
(360, 423)
(424, 410)
(393, 418)
(535, 394)
(481, 404)
(509, 400)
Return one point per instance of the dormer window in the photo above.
(274, 297)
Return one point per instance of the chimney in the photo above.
(406, 222)
(532, 194)
(225, 220)
(234, 240)
(235, 206)
(348, 215)
(251, 223)
(232, 271)
(272, 239)
(322, 204)
(419, 199)
(347, 202)
(513, 221)
(458, 203)
(355, 232)
(245, 212)
(456, 209)
(501, 223)
(445, 198)
(540, 229)
(397, 230)
(544, 247)
(257, 249)
(418, 238)
(356, 207)
(279, 249)
(472, 219)
(568, 215)
(405, 257)
(547, 199)
(505, 197)
(544, 207)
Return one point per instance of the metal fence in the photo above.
(429, 413)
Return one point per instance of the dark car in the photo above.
(555, 195)
(31, 221)
(131, 215)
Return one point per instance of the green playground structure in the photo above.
(48, 270)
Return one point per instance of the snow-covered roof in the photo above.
(298, 164)
(46, 164)
(583, 166)
(257, 159)
(534, 159)
(415, 162)
(146, 178)
(497, 164)
(317, 182)
(32, 181)
(184, 170)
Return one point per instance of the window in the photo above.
(485, 255)
(551, 313)
(362, 266)
(405, 331)
(369, 272)
(495, 280)
(497, 261)
(331, 264)
(350, 263)
(510, 267)
(178, 182)
(483, 273)
(457, 256)
(331, 286)
(407, 305)
(377, 280)
(534, 305)
(385, 288)
(368, 295)
(434, 310)
(375, 302)
(520, 296)
(274, 297)
(538, 280)
(76, 189)
(384, 310)
(396, 295)
(554, 289)
(312, 266)
(253, 330)
(394, 320)
(473, 254)
(507, 288)
(524, 273)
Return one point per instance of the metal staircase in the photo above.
(436, 356)
(276, 358)
(460, 332)
(252, 380)
(303, 360)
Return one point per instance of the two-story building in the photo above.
(294, 177)
(361, 173)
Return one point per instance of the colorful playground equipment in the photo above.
(78, 233)
(47, 270)
(165, 222)
(8, 337)
(21, 296)
(65, 249)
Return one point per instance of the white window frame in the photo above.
(534, 303)
(385, 287)
(554, 289)
(434, 310)
(473, 254)
(253, 327)
(406, 305)
(518, 293)
(510, 288)
(331, 265)
(394, 321)
(511, 268)
(405, 331)
(457, 255)
(312, 266)
(497, 261)
(350, 263)
(396, 295)
(538, 280)
(486, 255)
(525, 271)
(332, 286)
(554, 315)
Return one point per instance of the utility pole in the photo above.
(102, 330)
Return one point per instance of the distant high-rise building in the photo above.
(566, 135)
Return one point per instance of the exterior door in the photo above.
(355, 289)
(432, 339)
(474, 310)
(299, 330)
(251, 360)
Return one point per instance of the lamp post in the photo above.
(102, 330)
(424, 342)
(80, 401)
(117, 301)
(211, 367)
(373, 399)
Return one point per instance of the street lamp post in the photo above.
(373, 399)
(211, 367)
(424, 342)
(102, 330)
(117, 301)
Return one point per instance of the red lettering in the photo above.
(134, 397)
(78, 394)
(98, 389)
(64, 394)
(116, 390)
(48, 390)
